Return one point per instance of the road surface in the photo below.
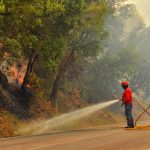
(98, 139)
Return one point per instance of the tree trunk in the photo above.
(33, 61)
(62, 69)
(29, 70)
(44, 7)
(27, 74)
(53, 96)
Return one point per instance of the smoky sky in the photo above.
(143, 9)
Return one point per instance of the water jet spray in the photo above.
(46, 126)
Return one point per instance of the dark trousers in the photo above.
(128, 114)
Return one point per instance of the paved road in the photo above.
(110, 139)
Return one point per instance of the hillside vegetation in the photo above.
(61, 55)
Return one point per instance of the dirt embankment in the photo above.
(14, 107)
(8, 106)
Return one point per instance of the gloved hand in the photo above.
(120, 100)
(122, 104)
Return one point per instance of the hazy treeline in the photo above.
(125, 57)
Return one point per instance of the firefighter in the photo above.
(127, 102)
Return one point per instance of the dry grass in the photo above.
(8, 124)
